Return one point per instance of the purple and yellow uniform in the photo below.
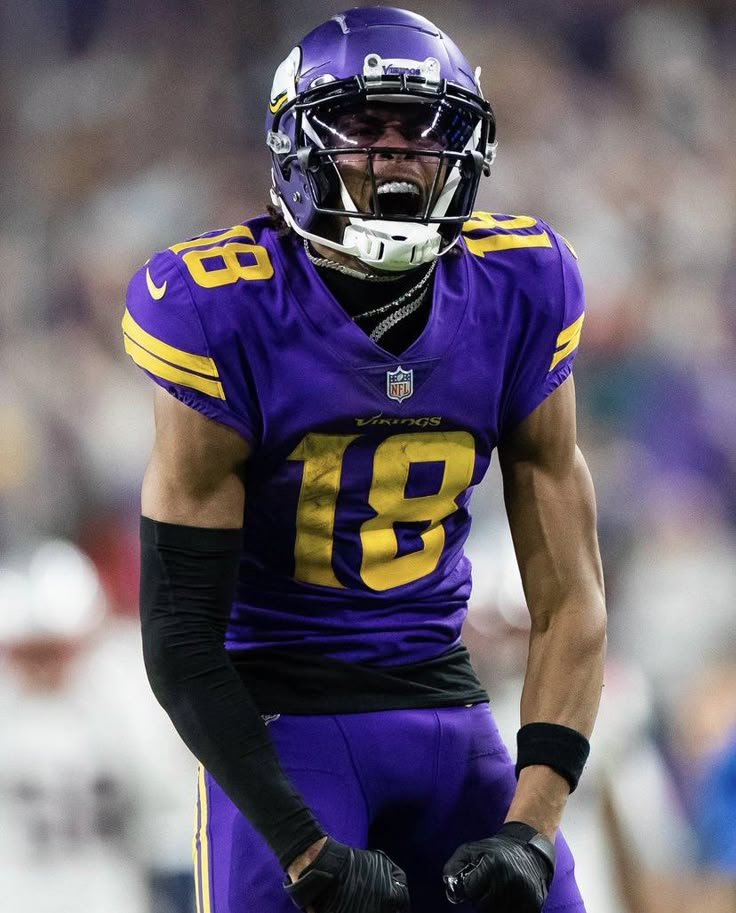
(357, 492)
(363, 463)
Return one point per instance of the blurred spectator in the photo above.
(88, 810)
(715, 819)
(678, 587)
(702, 739)
(704, 733)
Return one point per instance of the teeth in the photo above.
(398, 187)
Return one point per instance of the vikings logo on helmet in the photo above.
(387, 59)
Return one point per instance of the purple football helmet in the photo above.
(352, 81)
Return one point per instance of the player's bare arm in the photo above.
(551, 509)
(195, 474)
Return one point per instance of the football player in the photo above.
(334, 377)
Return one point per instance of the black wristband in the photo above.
(563, 749)
(188, 577)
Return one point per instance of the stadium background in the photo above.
(126, 126)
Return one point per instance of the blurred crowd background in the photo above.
(128, 126)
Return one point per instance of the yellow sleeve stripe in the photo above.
(202, 364)
(170, 363)
(168, 372)
(567, 341)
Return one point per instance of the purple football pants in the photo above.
(414, 783)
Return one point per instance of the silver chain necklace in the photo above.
(419, 287)
(385, 325)
(399, 309)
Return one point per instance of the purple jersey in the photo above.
(363, 463)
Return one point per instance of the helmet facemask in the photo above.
(388, 167)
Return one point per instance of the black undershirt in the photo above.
(303, 682)
(358, 295)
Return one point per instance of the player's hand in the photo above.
(508, 873)
(342, 879)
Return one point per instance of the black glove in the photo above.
(342, 879)
(508, 873)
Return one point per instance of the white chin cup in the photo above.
(393, 246)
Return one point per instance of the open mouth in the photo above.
(399, 198)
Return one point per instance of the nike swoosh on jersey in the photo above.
(155, 291)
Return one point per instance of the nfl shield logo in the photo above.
(399, 384)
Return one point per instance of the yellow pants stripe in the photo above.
(201, 849)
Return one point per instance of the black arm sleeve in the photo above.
(188, 577)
